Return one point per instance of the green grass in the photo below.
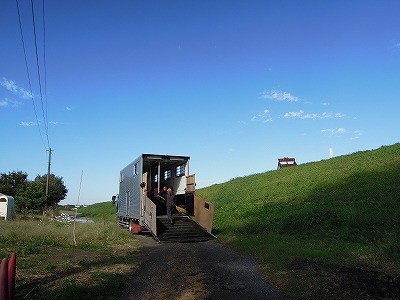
(342, 212)
(104, 211)
(49, 266)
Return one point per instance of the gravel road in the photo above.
(203, 270)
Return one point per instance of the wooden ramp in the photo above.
(184, 230)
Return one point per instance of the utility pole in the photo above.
(48, 173)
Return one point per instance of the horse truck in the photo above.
(141, 209)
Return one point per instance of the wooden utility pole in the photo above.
(48, 173)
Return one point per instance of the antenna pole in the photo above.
(48, 173)
(76, 209)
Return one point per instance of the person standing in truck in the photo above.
(170, 205)
(161, 201)
(163, 193)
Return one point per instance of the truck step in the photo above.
(184, 230)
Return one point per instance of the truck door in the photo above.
(189, 194)
(190, 183)
(149, 209)
(144, 192)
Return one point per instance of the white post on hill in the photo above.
(331, 152)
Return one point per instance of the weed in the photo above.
(48, 261)
(49, 266)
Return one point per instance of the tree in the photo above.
(31, 195)
(13, 182)
(57, 189)
(31, 198)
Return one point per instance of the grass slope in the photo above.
(323, 229)
(104, 211)
(49, 266)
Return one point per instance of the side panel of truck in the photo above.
(130, 191)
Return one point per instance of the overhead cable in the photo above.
(46, 123)
(44, 60)
(27, 73)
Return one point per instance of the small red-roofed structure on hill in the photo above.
(286, 162)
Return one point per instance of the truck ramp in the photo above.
(184, 230)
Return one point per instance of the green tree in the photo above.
(57, 189)
(13, 182)
(31, 195)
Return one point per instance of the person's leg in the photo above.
(169, 213)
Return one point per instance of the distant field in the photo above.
(104, 211)
(324, 229)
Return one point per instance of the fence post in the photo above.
(4, 279)
(11, 275)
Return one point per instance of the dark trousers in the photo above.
(170, 211)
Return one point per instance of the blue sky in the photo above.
(233, 84)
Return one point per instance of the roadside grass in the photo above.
(325, 229)
(50, 267)
(104, 211)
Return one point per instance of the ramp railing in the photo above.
(7, 277)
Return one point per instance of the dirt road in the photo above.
(203, 270)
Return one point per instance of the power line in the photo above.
(44, 60)
(27, 73)
(46, 123)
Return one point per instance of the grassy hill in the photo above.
(104, 211)
(320, 227)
